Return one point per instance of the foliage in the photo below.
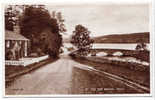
(58, 16)
(82, 40)
(10, 18)
(37, 24)
(141, 47)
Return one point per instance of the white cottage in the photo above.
(16, 45)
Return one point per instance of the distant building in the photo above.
(16, 45)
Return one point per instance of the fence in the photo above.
(26, 61)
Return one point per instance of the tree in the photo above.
(12, 15)
(10, 18)
(141, 46)
(43, 31)
(58, 16)
(82, 40)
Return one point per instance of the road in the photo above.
(66, 76)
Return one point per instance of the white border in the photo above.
(152, 30)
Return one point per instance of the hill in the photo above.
(123, 38)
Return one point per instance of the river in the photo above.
(112, 46)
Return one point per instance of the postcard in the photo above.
(77, 49)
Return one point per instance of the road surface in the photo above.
(66, 76)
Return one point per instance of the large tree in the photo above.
(58, 16)
(10, 18)
(43, 30)
(81, 39)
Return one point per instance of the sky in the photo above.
(103, 19)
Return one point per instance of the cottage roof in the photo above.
(10, 35)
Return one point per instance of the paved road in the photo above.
(65, 76)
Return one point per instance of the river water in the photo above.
(112, 46)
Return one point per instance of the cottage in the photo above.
(16, 45)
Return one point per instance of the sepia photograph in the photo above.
(100, 48)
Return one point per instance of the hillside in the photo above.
(123, 38)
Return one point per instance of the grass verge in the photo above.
(121, 69)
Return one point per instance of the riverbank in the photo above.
(135, 71)
(141, 55)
